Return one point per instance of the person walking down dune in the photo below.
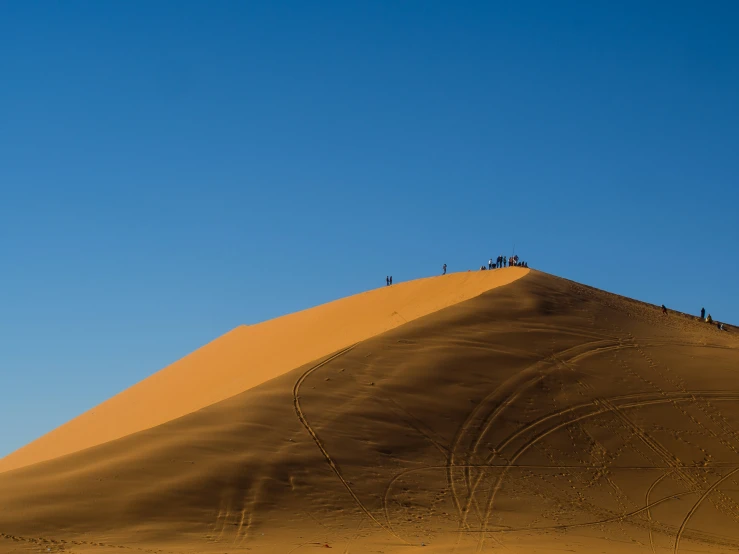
(703, 313)
(444, 268)
(664, 310)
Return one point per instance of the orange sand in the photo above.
(250, 355)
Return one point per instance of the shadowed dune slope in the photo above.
(250, 355)
(543, 416)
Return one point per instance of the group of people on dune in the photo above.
(709, 319)
(502, 261)
(704, 317)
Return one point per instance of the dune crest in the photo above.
(250, 355)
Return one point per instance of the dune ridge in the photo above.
(250, 355)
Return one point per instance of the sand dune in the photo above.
(543, 416)
(251, 355)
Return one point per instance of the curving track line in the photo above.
(607, 346)
(507, 392)
(649, 513)
(695, 507)
(628, 343)
(319, 443)
(552, 361)
(601, 410)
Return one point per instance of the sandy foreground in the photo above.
(538, 416)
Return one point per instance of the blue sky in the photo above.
(169, 170)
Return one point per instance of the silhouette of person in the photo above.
(490, 263)
(664, 310)
(387, 280)
(391, 279)
(703, 313)
(444, 268)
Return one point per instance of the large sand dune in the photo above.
(251, 355)
(542, 416)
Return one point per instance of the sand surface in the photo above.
(250, 355)
(541, 416)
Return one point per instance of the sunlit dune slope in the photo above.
(250, 355)
(539, 417)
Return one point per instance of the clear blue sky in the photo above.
(169, 170)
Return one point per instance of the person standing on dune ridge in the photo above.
(444, 268)
(703, 313)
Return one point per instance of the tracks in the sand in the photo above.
(311, 431)
(467, 465)
(566, 358)
(486, 413)
(465, 448)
